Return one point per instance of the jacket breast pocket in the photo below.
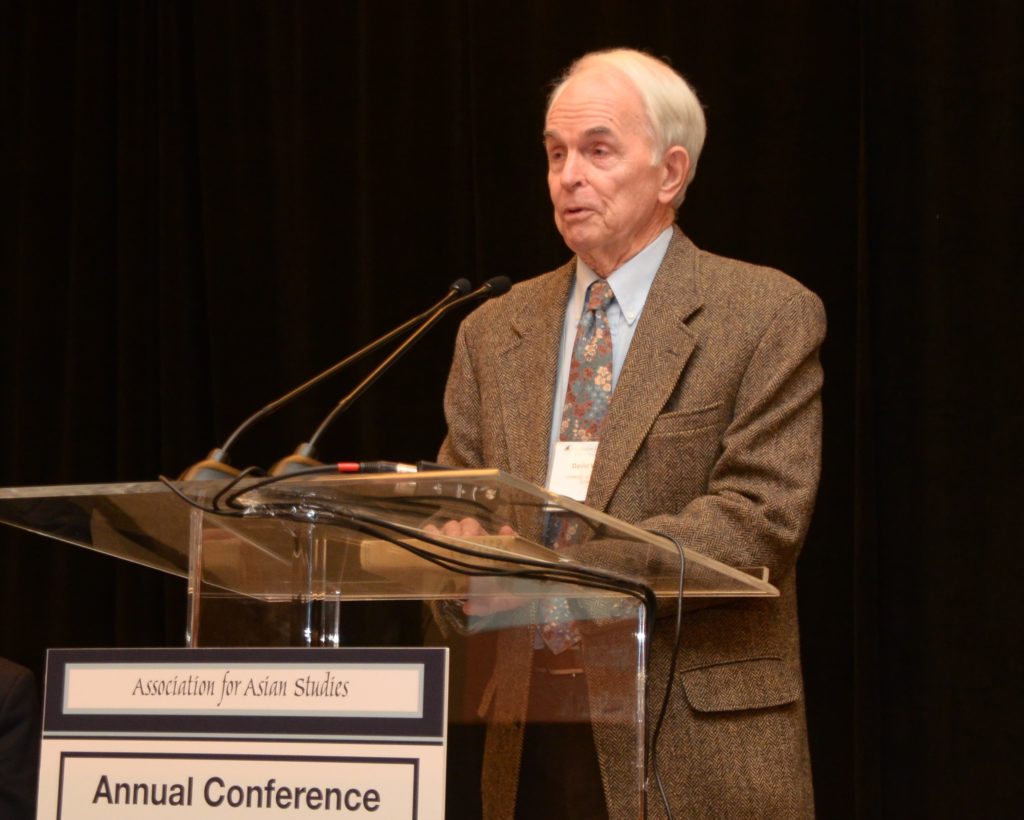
(674, 463)
(678, 422)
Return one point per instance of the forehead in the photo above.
(597, 98)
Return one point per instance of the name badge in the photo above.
(571, 469)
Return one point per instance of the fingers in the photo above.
(466, 528)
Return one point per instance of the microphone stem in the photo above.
(374, 374)
(277, 404)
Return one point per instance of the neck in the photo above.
(605, 263)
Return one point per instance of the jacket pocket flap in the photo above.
(675, 422)
(756, 683)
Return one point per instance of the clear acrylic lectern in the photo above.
(365, 561)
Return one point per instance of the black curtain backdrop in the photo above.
(205, 203)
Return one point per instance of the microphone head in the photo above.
(497, 285)
(460, 287)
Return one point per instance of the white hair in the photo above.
(674, 114)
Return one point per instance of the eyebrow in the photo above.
(596, 131)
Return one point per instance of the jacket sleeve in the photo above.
(462, 446)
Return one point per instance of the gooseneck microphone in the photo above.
(216, 465)
(305, 454)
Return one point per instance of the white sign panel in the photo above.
(386, 689)
(205, 733)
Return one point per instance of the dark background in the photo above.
(205, 203)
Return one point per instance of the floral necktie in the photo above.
(586, 405)
(590, 371)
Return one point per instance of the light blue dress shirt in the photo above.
(631, 283)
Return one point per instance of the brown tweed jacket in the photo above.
(712, 436)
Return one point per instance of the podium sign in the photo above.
(198, 733)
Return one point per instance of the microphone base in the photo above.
(295, 463)
(212, 468)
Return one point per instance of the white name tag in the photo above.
(571, 469)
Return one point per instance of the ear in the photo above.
(675, 169)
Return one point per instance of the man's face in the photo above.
(607, 194)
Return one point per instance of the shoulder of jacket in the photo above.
(737, 283)
(519, 300)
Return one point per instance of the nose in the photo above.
(572, 175)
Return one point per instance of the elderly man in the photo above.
(698, 377)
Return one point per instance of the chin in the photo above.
(578, 241)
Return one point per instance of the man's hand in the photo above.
(466, 528)
(488, 596)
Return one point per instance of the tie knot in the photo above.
(600, 296)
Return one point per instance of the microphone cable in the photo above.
(673, 662)
(226, 503)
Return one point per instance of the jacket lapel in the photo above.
(660, 349)
(528, 367)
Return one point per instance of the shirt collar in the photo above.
(630, 283)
